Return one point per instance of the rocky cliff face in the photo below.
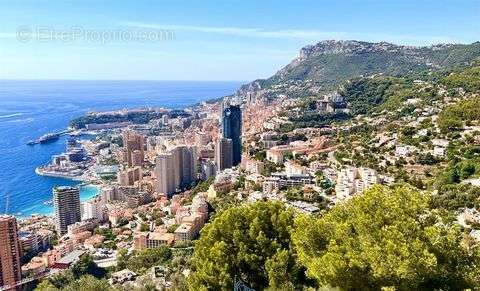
(348, 47)
(351, 47)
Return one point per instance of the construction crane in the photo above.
(7, 202)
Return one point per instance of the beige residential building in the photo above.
(151, 240)
(133, 144)
(185, 232)
(129, 176)
(165, 174)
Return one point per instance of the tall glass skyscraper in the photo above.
(232, 129)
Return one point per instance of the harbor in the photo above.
(74, 164)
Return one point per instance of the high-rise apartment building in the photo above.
(224, 154)
(66, 201)
(176, 169)
(185, 163)
(129, 176)
(137, 158)
(165, 174)
(232, 129)
(10, 268)
(133, 144)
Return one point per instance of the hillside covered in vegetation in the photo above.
(327, 64)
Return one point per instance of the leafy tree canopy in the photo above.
(453, 117)
(385, 238)
(468, 79)
(250, 242)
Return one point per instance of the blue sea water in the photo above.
(29, 109)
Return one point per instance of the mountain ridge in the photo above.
(327, 64)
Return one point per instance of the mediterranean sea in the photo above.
(29, 109)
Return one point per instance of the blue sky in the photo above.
(213, 40)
